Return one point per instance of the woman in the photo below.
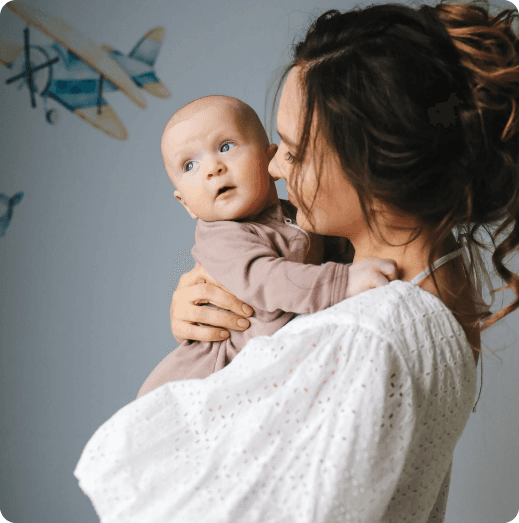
(397, 126)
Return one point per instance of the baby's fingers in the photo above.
(389, 269)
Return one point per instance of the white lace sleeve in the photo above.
(374, 426)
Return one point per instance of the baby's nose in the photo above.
(214, 172)
(215, 167)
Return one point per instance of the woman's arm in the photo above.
(196, 288)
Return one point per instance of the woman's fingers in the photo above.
(189, 331)
(202, 274)
(196, 288)
(184, 324)
(196, 275)
(218, 318)
(228, 301)
(219, 296)
(212, 322)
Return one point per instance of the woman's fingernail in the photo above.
(223, 334)
(243, 323)
(247, 309)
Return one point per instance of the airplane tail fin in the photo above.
(148, 46)
(146, 52)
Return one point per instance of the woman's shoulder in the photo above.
(389, 308)
(459, 297)
(410, 321)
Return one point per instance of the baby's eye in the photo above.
(189, 166)
(226, 147)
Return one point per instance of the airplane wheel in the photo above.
(52, 116)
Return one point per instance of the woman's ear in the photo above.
(178, 196)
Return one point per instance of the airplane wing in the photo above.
(81, 98)
(85, 105)
(107, 120)
(80, 46)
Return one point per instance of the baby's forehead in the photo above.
(232, 111)
(217, 117)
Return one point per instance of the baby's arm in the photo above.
(249, 266)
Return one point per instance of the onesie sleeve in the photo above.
(251, 268)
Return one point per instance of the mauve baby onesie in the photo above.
(264, 263)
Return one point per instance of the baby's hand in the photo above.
(370, 273)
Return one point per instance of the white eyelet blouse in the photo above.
(350, 414)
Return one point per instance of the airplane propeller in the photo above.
(29, 70)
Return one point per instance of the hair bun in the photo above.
(489, 52)
(493, 8)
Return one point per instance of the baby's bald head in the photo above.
(218, 143)
(244, 114)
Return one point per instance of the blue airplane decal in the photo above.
(74, 84)
(5, 219)
(75, 72)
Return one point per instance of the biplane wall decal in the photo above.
(75, 71)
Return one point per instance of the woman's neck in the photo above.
(411, 259)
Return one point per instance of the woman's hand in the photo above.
(195, 288)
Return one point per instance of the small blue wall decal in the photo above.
(75, 72)
(5, 219)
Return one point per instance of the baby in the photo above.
(216, 153)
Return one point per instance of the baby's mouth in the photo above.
(224, 190)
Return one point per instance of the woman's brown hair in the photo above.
(421, 108)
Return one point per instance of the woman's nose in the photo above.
(273, 169)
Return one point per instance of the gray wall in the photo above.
(97, 245)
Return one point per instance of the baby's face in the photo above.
(218, 165)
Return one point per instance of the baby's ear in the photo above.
(178, 196)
